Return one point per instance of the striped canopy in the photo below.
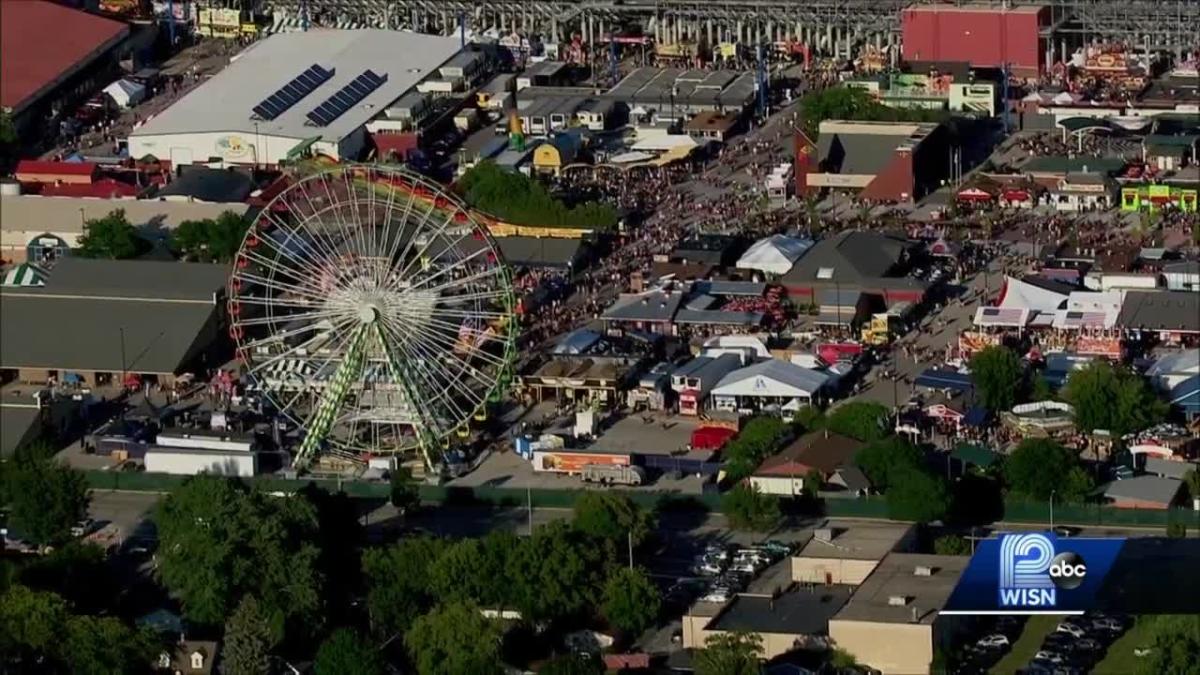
(24, 275)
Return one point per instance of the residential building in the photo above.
(1144, 492)
(825, 453)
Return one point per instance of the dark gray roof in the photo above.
(210, 185)
(1145, 488)
(720, 287)
(854, 257)
(136, 279)
(718, 317)
(1185, 267)
(649, 306)
(1064, 165)
(852, 478)
(1153, 310)
(799, 612)
(533, 251)
(859, 154)
(16, 425)
(85, 334)
(1169, 468)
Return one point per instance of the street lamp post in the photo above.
(1052, 493)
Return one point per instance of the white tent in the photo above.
(126, 93)
(664, 142)
(767, 383)
(775, 254)
(1018, 294)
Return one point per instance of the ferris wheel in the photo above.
(374, 313)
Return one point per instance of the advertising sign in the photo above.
(574, 462)
(232, 147)
(971, 341)
(1099, 345)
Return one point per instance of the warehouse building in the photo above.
(37, 228)
(881, 161)
(53, 57)
(676, 94)
(294, 94)
(149, 320)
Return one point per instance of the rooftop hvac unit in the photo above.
(923, 571)
(897, 600)
(825, 534)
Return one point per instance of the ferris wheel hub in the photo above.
(368, 313)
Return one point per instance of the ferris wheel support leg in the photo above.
(425, 437)
(331, 400)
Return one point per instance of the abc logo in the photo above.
(1067, 570)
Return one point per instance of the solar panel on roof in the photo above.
(346, 98)
(290, 94)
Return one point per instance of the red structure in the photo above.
(986, 36)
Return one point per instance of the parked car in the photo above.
(1108, 624)
(994, 640)
(1070, 629)
(1049, 656)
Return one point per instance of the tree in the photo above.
(453, 639)
(1039, 466)
(918, 495)
(612, 517)
(574, 664)
(813, 482)
(555, 574)
(734, 653)
(1176, 529)
(1175, 642)
(631, 601)
(841, 659)
(749, 509)
(521, 199)
(398, 582)
(250, 635)
(809, 418)
(1112, 398)
(1191, 480)
(863, 420)
(76, 571)
(46, 499)
(996, 373)
(219, 541)
(31, 622)
(757, 440)
(105, 646)
(1040, 390)
(850, 103)
(951, 544)
(882, 460)
(404, 495)
(211, 239)
(345, 652)
(112, 236)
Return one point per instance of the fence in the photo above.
(867, 507)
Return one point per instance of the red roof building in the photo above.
(38, 171)
(44, 44)
(105, 188)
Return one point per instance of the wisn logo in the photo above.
(1032, 571)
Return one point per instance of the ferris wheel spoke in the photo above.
(447, 269)
(277, 301)
(290, 289)
(467, 297)
(317, 259)
(328, 255)
(471, 280)
(406, 270)
(427, 357)
(291, 318)
(300, 350)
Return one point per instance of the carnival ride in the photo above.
(374, 312)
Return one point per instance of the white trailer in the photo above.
(189, 462)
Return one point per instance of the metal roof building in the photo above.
(319, 85)
(98, 318)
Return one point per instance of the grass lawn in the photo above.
(1036, 629)
(1119, 660)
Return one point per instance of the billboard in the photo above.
(564, 461)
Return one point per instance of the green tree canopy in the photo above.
(250, 635)
(885, 459)
(1112, 398)
(1039, 466)
(810, 418)
(864, 420)
(345, 652)
(454, 639)
(46, 499)
(211, 239)
(219, 541)
(631, 600)
(951, 544)
(916, 494)
(403, 494)
(735, 653)
(556, 573)
(749, 509)
(398, 582)
(105, 646)
(757, 440)
(1174, 642)
(851, 103)
(612, 517)
(524, 201)
(78, 572)
(112, 236)
(996, 373)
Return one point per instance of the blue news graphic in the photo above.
(1034, 572)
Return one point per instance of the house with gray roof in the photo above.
(1169, 313)
(1144, 492)
(853, 263)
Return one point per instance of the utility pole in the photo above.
(123, 364)
(1052, 493)
(629, 538)
(529, 507)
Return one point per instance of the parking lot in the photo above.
(1043, 645)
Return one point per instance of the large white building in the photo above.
(316, 89)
